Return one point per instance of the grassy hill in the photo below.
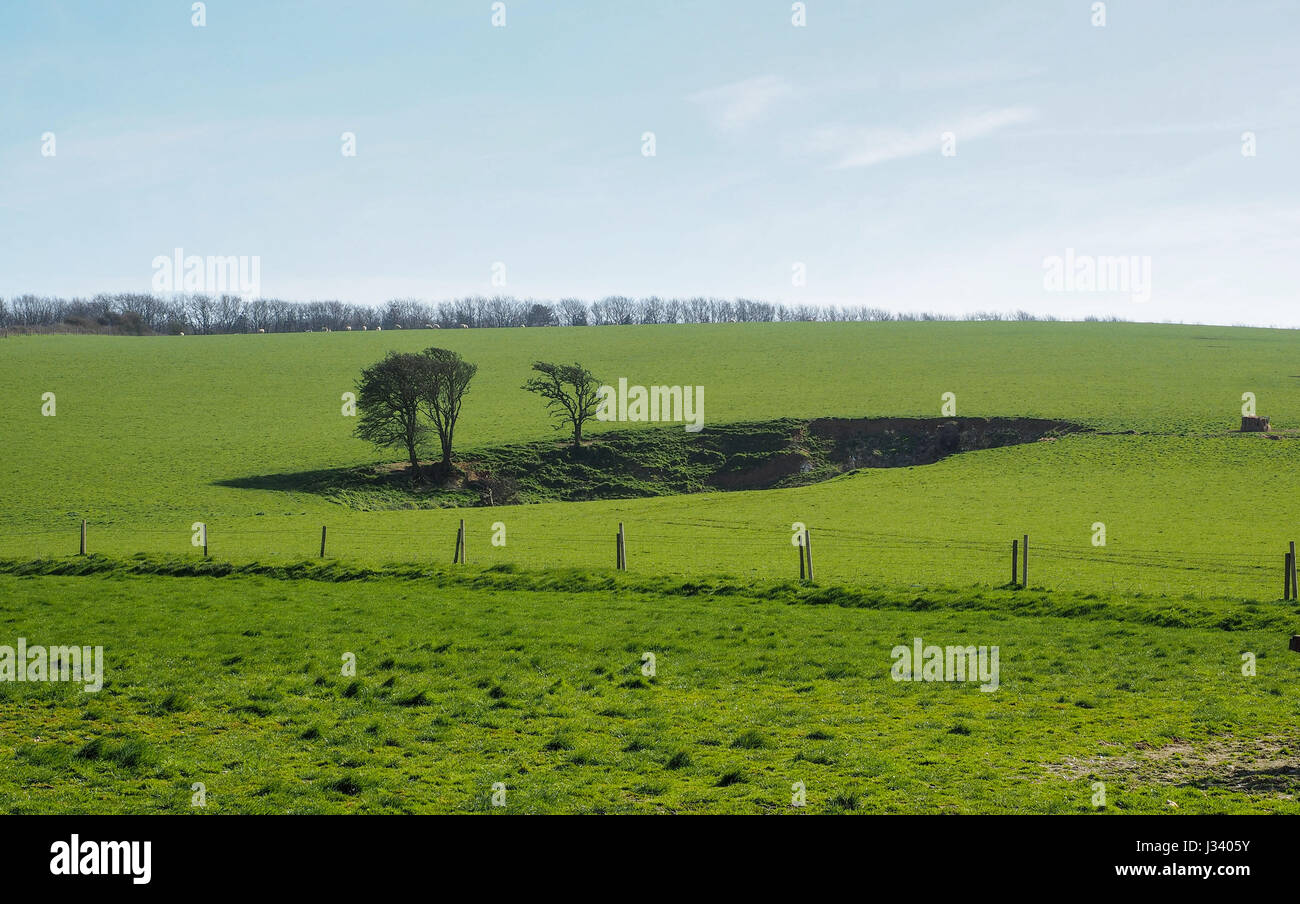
(1122, 663)
(154, 434)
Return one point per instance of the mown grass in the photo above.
(236, 683)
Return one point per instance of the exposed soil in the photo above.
(900, 442)
(1268, 765)
(829, 446)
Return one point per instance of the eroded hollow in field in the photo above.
(661, 461)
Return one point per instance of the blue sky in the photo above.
(774, 145)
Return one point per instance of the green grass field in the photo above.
(235, 683)
(1122, 664)
(148, 431)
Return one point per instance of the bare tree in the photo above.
(573, 312)
(650, 310)
(613, 310)
(695, 310)
(201, 312)
(672, 310)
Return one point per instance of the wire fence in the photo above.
(697, 546)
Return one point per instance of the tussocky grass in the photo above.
(236, 682)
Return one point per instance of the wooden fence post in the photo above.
(1024, 570)
(460, 557)
(802, 573)
(620, 549)
(83, 537)
(1295, 593)
(205, 539)
(807, 542)
(322, 541)
(1286, 576)
(1015, 561)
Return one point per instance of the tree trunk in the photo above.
(446, 453)
(415, 465)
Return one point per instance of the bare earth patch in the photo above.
(1269, 765)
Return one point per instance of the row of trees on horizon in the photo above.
(148, 314)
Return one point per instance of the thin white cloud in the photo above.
(737, 105)
(1149, 130)
(868, 147)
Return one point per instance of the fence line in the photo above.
(1258, 569)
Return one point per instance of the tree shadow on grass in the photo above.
(665, 461)
(293, 482)
(366, 487)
